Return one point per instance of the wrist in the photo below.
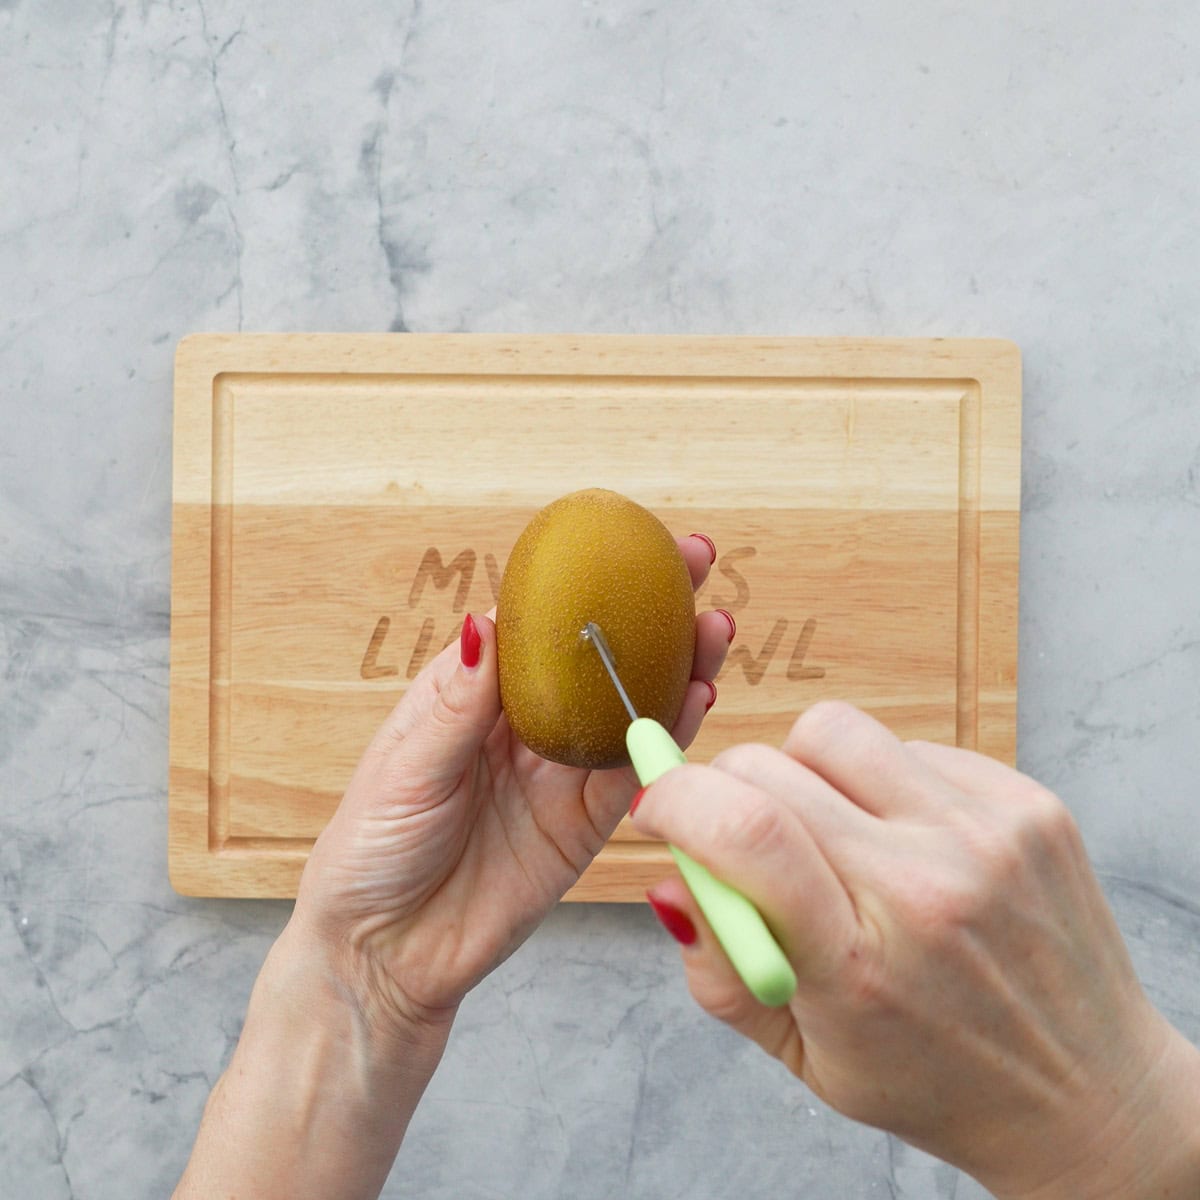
(321, 1086)
(1147, 1145)
(319, 974)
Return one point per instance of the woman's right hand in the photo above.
(962, 980)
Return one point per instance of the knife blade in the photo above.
(736, 923)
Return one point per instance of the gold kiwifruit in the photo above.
(595, 556)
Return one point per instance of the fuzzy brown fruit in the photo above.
(596, 556)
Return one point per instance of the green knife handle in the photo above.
(653, 750)
(738, 925)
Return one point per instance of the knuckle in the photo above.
(1001, 863)
(751, 827)
(745, 761)
(447, 709)
(924, 749)
(1044, 823)
(942, 905)
(992, 856)
(1048, 812)
(824, 724)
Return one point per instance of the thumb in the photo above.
(442, 744)
(713, 982)
(752, 831)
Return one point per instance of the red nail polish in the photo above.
(712, 546)
(712, 694)
(732, 623)
(637, 799)
(674, 920)
(469, 643)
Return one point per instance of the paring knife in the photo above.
(738, 925)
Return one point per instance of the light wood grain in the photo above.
(864, 496)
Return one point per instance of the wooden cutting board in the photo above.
(340, 501)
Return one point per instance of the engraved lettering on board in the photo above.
(731, 591)
(432, 569)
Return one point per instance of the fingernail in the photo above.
(712, 694)
(469, 643)
(712, 546)
(674, 920)
(732, 623)
(637, 799)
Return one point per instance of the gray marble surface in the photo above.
(900, 167)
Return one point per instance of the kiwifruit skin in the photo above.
(593, 555)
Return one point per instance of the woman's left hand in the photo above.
(454, 840)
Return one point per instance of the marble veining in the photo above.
(729, 167)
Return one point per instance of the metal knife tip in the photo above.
(591, 632)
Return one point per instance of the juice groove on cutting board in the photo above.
(341, 501)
